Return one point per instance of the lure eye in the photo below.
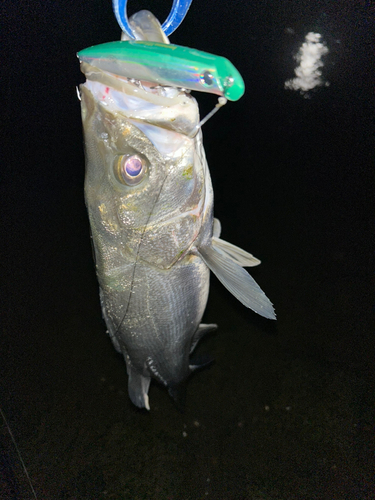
(206, 79)
(130, 169)
(229, 81)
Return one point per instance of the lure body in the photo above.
(167, 65)
(150, 201)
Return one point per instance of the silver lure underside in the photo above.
(155, 238)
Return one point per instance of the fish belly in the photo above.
(152, 322)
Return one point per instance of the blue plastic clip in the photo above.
(175, 18)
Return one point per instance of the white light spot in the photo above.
(308, 74)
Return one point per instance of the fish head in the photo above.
(145, 177)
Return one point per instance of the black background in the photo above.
(286, 412)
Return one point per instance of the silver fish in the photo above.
(150, 202)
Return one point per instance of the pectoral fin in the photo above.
(239, 256)
(237, 280)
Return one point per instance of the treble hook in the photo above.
(173, 21)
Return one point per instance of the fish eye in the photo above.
(130, 169)
(206, 79)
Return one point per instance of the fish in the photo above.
(149, 197)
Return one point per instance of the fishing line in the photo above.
(173, 21)
(137, 256)
(222, 102)
(19, 454)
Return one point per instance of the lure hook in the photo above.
(173, 21)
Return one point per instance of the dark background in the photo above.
(287, 410)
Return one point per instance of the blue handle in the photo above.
(175, 18)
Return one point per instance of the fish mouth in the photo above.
(144, 89)
(171, 108)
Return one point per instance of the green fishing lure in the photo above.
(167, 65)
